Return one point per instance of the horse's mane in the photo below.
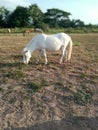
(30, 43)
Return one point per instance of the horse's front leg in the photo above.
(38, 56)
(45, 55)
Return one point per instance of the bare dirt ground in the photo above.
(53, 96)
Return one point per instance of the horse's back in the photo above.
(48, 42)
(60, 36)
(63, 36)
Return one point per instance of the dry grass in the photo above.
(31, 94)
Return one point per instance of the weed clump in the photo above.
(83, 97)
(35, 87)
(16, 75)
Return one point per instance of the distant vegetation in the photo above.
(53, 30)
(32, 16)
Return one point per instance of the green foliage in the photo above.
(33, 16)
(54, 16)
(19, 17)
(4, 17)
(36, 15)
(77, 23)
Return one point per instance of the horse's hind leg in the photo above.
(45, 55)
(63, 54)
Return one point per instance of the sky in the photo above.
(85, 10)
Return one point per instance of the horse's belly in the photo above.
(53, 47)
(53, 44)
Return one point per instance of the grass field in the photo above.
(38, 94)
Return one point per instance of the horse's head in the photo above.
(26, 56)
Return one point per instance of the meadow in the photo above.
(40, 94)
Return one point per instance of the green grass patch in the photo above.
(59, 84)
(14, 74)
(83, 97)
(35, 86)
(44, 82)
(1, 89)
(76, 43)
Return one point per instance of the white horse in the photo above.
(43, 42)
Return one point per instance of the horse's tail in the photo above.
(69, 49)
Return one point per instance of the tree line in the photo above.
(33, 16)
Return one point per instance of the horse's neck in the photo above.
(31, 46)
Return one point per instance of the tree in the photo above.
(65, 23)
(77, 23)
(54, 16)
(19, 17)
(4, 17)
(33, 16)
(36, 15)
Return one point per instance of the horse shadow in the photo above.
(13, 61)
(10, 65)
(73, 123)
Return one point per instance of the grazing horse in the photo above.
(28, 31)
(9, 30)
(43, 42)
